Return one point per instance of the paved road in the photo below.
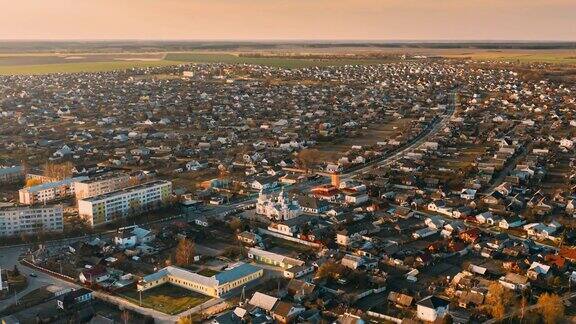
(507, 169)
(387, 159)
(9, 258)
(400, 152)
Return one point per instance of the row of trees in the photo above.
(55, 171)
(501, 301)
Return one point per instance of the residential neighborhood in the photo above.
(422, 190)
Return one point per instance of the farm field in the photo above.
(282, 62)
(560, 57)
(31, 64)
(35, 69)
(27, 64)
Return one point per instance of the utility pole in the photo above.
(523, 306)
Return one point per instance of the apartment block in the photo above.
(31, 219)
(10, 174)
(101, 185)
(122, 203)
(49, 191)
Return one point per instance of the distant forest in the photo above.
(166, 46)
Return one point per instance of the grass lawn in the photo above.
(289, 245)
(31, 299)
(16, 284)
(167, 298)
(208, 272)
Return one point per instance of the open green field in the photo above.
(31, 64)
(45, 64)
(166, 298)
(34, 69)
(560, 57)
(281, 62)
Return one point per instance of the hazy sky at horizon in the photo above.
(289, 19)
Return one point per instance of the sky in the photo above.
(531, 20)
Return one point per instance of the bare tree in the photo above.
(184, 252)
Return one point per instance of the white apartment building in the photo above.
(49, 191)
(119, 204)
(31, 219)
(101, 185)
(10, 174)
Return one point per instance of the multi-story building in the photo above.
(31, 219)
(121, 203)
(11, 174)
(215, 286)
(101, 185)
(49, 191)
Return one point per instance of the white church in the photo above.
(277, 208)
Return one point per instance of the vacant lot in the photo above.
(167, 298)
(367, 137)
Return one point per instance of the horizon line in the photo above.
(290, 40)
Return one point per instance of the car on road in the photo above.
(33, 275)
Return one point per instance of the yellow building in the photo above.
(214, 286)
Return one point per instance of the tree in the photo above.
(125, 316)
(135, 206)
(58, 171)
(233, 252)
(447, 319)
(307, 157)
(330, 270)
(235, 225)
(31, 182)
(551, 307)
(184, 252)
(498, 300)
(133, 181)
(16, 271)
(184, 320)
